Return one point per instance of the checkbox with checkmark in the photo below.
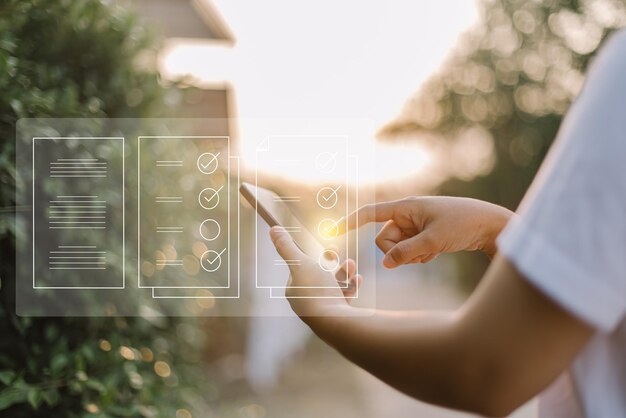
(209, 198)
(208, 162)
(325, 162)
(211, 260)
(327, 197)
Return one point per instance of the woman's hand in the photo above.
(331, 295)
(418, 229)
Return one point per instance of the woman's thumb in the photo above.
(285, 245)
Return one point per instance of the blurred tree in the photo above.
(82, 59)
(505, 89)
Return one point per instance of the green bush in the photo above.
(63, 58)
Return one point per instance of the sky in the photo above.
(326, 59)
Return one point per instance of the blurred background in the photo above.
(466, 99)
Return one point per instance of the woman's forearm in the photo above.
(415, 352)
(491, 227)
(505, 344)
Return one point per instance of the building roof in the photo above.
(185, 19)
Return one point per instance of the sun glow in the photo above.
(326, 59)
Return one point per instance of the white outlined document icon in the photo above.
(326, 156)
(178, 256)
(78, 195)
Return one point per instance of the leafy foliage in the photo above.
(82, 59)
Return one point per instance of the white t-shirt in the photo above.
(570, 238)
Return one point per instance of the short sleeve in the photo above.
(569, 238)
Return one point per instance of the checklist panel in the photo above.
(183, 212)
(327, 157)
(78, 212)
(144, 216)
(201, 291)
(349, 241)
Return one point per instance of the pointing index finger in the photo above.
(375, 212)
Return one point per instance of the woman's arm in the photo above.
(505, 344)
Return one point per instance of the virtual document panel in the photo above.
(78, 190)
